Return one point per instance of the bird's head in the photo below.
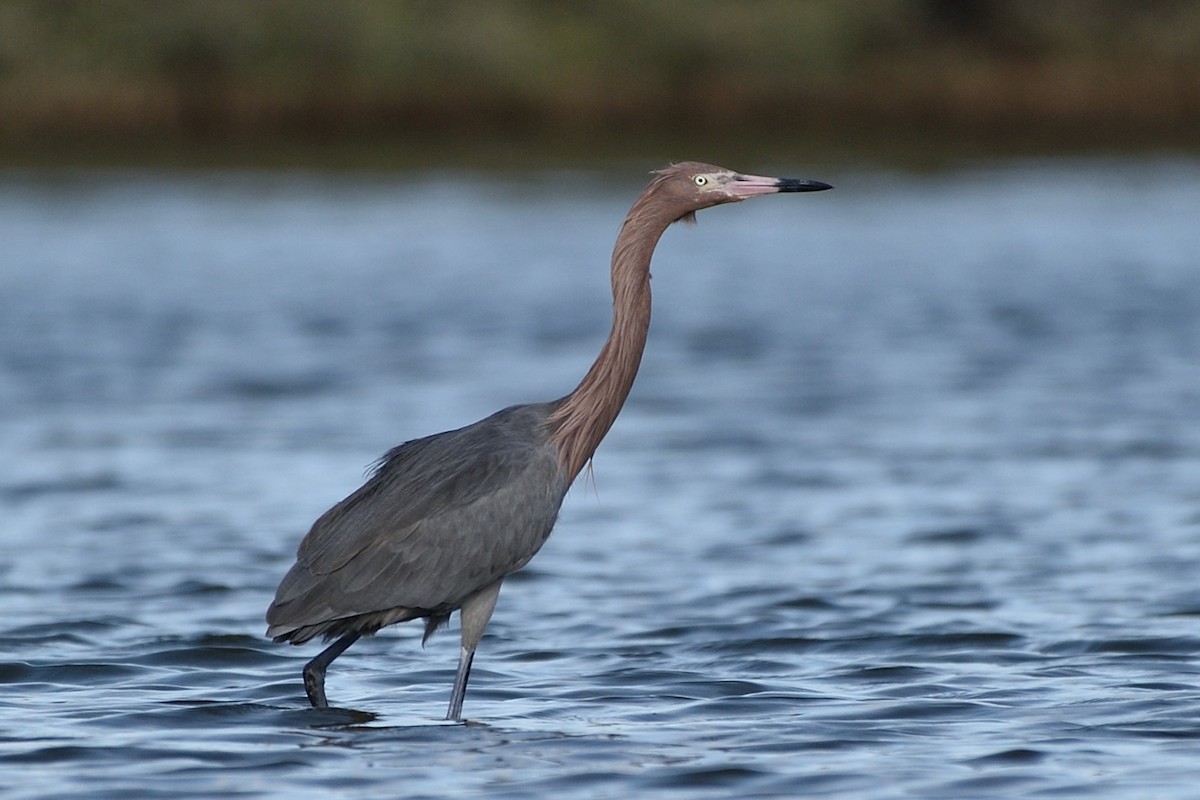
(690, 186)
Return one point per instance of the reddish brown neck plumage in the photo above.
(584, 416)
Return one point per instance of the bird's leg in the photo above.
(476, 611)
(460, 684)
(314, 671)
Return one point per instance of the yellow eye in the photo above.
(700, 180)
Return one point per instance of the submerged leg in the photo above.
(476, 611)
(314, 671)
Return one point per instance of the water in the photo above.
(905, 503)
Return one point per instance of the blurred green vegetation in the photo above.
(132, 73)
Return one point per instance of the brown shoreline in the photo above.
(1013, 97)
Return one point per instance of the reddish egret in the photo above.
(445, 519)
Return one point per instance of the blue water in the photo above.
(905, 503)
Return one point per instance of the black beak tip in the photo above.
(801, 185)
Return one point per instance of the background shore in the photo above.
(268, 81)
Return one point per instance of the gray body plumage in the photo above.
(442, 518)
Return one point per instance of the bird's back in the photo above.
(441, 518)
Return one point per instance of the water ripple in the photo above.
(926, 530)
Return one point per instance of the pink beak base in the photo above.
(753, 185)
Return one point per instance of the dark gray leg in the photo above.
(460, 684)
(314, 671)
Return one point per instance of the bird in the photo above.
(443, 520)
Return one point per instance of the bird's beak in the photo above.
(744, 186)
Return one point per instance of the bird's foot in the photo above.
(314, 687)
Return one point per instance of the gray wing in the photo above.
(441, 518)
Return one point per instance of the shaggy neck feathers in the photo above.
(584, 416)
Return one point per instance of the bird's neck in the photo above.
(584, 416)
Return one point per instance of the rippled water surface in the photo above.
(905, 503)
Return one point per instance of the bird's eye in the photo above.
(700, 180)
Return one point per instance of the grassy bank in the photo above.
(141, 73)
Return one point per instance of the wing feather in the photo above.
(441, 518)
